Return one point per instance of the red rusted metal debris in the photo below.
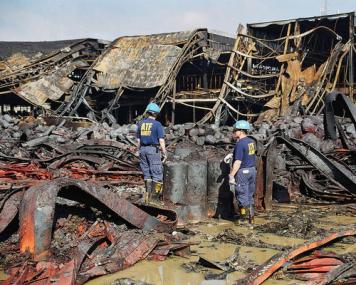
(110, 250)
(38, 204)
(264, 271)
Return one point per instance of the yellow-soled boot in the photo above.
(243, 215)
(156, 193)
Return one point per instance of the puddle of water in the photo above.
(170, 272)
(279, 240)
(341, 248)
(3, 275)
(343, 220)
(257, 255)
(155, 272)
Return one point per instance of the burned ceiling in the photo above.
(272, 69)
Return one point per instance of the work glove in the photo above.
(228, 158)
(232, 184)
(164, 156)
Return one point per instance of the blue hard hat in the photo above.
(153, 107)
(242, 125)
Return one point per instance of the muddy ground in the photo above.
(235, 248)
(239, 248)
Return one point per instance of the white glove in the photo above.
(228, 158)
(164, 157)
(232, 184)
(232, 180)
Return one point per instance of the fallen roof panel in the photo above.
(140, 61)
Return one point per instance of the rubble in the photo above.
(71, 204)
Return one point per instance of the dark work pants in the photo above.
(245, 186)
(150, 163)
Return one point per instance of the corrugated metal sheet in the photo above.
(51, 87)
(140, 61)
(286, 22)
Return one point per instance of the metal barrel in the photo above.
(197, 189)
(175, 182)
(185, 187)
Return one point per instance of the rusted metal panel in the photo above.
(9, 209)
(37, 210)
(260, 183)
(265, 270)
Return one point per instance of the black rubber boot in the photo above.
(251, 216)
(148, 188)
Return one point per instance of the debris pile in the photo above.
(319, 268)
(70, 196)
(95, 232)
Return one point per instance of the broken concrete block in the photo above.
(308, 126)
(313, 140)
(8, 118)
(297, 120)
(350, 128)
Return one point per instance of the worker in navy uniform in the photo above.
(243, 171)
(150, 136)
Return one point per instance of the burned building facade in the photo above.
(173, 69)
(287, 67)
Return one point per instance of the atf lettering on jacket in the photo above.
(251, 149)
(146, 129)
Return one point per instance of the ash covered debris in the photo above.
(71, 191)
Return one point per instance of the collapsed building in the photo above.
(117, 84)
(71, 203)
(287, 67)
(43, 75)
(269, 70)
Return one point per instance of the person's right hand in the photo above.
(164, 156)
(232, 184)
(232, 180)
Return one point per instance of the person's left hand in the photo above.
(228, 158)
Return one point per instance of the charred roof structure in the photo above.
(271, 69)
(286, 67)
(43, 74)
(114, 83)
(162, 67)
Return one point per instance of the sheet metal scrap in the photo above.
(9, 208)
(337, 104)
(264, 271)
(43, 274)
(110, 250)
(324, 268)
(37, 210)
